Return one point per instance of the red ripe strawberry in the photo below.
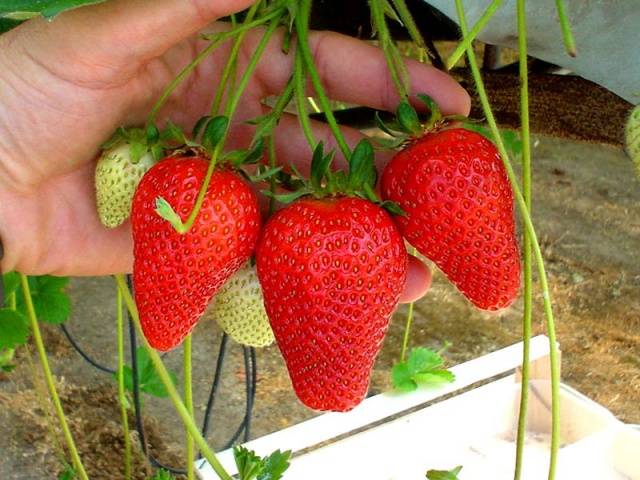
(176, 275)
(453, 187)
(331, 272)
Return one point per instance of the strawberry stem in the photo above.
(528, 270)
(410, 25)
(409, 321)
(565, 25)
(231, 62)
(188, 401)
(301, 98)
(122, 399)
(395, 62)
(528, 225)
(216, 40)
(42, 354)
(302, 28)
(182, 410)
(462, 47)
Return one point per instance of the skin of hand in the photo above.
(66, 85)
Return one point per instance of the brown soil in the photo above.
(587, 212)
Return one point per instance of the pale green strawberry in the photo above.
(118, 172)
(239, 309)
(632, 134)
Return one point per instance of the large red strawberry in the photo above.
(453, 187)
(176, 275)
(331, 270)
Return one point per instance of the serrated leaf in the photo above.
(248, 463)
(148, 379)
(275, 465)
(401, 378)
(11, 283)
(14, 329)
(422, 360)
(444, 474)
(162, 475)
(51, 303)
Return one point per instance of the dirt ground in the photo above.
(587, 212)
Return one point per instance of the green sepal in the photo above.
(393, 208)
(197, 128)
(265, 174)
(408, 118)
(320, 164)
(173, 133)
(166, 211)
(444, 474)
(136, 151)
(390, 143)
(214, 132)
(153, 134)
(255, 153)
(362, 169)
(287, 197)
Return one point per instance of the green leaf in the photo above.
(14, 329)
(148, 378)
(402, 379)
(172, 132)
(408, 118)
(255, 154)
(249, 464)
(393, 207)
(287, 197)
(423, 367)
(25, 9)
(11, 283)
(444, 474)
(320, 164)
(263, 174)
(162, 475)
(166, 211)
(51, 303)
(214, 132)
(7, 24)
(68, 474)
(362, 168)
(275, 465)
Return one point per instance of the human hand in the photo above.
(65, 86)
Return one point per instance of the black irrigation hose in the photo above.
(84, 354)
(250, 367)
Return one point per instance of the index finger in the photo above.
(355, 72)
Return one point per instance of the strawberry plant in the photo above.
(322, 275)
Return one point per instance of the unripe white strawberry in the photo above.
(118, 172)
(239, 309)
(632, 137)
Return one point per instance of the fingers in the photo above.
(418, 281)
(355, 72)
(110, 34)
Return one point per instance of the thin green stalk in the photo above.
(174, 396)
(231, 62)
(302, 28)
(528, 270)
(188, 401)
(12, 300)
(272, 181)
(407, 327)
(567, 34)
(300, 88)
(396, 65)
(37, 337)
(232, 104)
(537, 253)
(462, 47)
(216, 40)
(409, 23)
(122, 396)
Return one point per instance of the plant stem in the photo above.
(567, 35)
(216, 40)
(302, 28)
(462, 47)
(537, 253)
(231, 106)
(409, 23)
(171, 389)
(122, 398)
(37, 337)
(301, 99)
(407, 327)
(12, 300)
(396, 65)
(188, 401)
(231, 62)
(528, 270)
(272, 181)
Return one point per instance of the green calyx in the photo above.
(358, 181)
(140, 140)
(407, 125)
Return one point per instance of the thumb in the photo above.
(114, 33)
